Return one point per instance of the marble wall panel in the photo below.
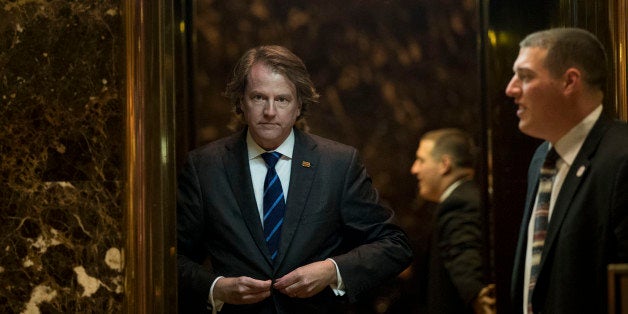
(61, 146)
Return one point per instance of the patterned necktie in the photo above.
(540, 216)
(274, 204)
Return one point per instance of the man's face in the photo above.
(270, 106)
(427, 171)
(538, 95)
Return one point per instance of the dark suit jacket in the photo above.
(332, 210)
(456, 273)
(588, 228)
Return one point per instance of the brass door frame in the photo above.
(150, 254)
(618, 10)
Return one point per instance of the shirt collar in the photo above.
(450, 189)
(569, 145)
(286, 148)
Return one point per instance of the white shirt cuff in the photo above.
(216, 304)
(339, 287)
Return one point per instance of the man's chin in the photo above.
(524, 127)
(529, 131)
(269, 139)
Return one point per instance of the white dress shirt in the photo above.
(259, 169)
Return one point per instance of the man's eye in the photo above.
(283, 102)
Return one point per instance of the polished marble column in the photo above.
(87, 157)
(62, 157)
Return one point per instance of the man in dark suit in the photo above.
(444, 167)
(576, 215)
(329, 240)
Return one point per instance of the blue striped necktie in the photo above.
(274, 204)
(540, 216)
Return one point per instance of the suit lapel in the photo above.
(577, 173)
(236, 164)
(304, 164)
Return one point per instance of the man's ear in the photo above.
(572, 80)
(240, 105)
(445, 164)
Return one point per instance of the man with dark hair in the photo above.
(576, 214)
(284, 221)
(444, 167)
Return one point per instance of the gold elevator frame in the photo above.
(618, 10)
(150, 246)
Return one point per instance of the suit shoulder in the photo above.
(467, 188)
(466, 194)
(215, 148)
(615, 139)
(618, 130)
(331, 145)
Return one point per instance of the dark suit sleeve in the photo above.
(194, 281)
(380, 249)
(460, 244)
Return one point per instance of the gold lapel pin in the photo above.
(306, 164)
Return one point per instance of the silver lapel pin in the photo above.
(580, 171)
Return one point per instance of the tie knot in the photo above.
(551, 158)
(271, 158)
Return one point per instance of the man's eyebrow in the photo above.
(521, 69)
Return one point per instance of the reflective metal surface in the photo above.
(619, 36)
(150, 255)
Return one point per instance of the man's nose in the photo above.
(270, 109)
(415, 168)
(512, 89)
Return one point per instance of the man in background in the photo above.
(575, 221)
(444, 167)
